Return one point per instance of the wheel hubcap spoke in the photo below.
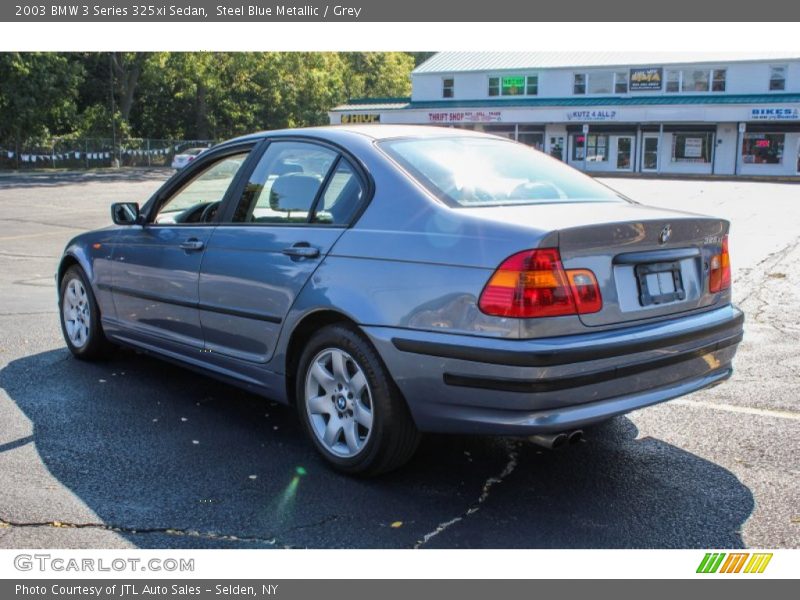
(339, 370)
(357, 384)
(363, 415)
(351, 436)
(332, 431)
(320, 405)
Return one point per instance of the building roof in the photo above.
(455, 62)
(366, 104)
(374, 104)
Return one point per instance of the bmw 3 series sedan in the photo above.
(388, 281)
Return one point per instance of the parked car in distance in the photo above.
(392, 280)
(185, 157)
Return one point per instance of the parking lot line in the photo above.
(761, 412)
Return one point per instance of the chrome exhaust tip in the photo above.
(551, 441)
(575, 436)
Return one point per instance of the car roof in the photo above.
(372, 131)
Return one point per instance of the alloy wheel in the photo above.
(338, 402)
(76, 313)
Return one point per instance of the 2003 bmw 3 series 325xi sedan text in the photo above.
(391, 280)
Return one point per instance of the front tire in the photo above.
(349, 406)
(80, 317)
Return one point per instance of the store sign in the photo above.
(361, 118)
(645, 78)
(774, 114)
(591, 115)
(467, 116)
(515, 82)
(693, 148)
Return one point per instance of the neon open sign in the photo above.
(513, 82)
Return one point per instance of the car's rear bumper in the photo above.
(458, 383)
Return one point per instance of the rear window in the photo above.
(467, 171)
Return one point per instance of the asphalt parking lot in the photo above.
(138, 453)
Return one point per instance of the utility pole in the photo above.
(113, 109)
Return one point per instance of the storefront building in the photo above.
(720, 114)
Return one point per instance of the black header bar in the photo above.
(402, 11)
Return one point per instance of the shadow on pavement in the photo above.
(175, 459)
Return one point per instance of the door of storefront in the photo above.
(650, 152)
(557, 147)
(622, 151)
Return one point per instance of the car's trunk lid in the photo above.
(648, 262)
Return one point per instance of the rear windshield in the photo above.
(472, 171)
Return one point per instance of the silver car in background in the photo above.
(391, 280)
(179, 161)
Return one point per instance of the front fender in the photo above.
(92, 252)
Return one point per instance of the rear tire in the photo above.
(80, 317)
(349, 405)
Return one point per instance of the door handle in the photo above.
(301, 250)
(192, 244)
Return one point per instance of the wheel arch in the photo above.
(71, 259)
(301, 333)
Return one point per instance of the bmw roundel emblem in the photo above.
(665, 234)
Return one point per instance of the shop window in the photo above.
(718, 80)
(691, 147)
(448, 87)
(673, 81)
(695, 80)
(512, 86)
(621, 82)
(494, 86)
(579, 83)
(777, 78)
(763, 148)
(601, 82)
(532, 86)
(531, 136)
(594, 146)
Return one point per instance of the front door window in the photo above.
(198, 200)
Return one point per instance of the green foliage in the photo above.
(192, 95)
(38, 95)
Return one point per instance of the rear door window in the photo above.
(300, 183)
(285, 183)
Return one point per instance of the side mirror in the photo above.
(125, 213)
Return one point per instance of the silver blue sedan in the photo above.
(389, 280)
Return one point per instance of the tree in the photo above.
(189, 95)
(38, 95)
(126, 68)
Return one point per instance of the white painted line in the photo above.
(761, 412)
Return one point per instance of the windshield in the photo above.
(472, 171)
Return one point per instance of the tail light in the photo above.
(534, 283)
(720, 273)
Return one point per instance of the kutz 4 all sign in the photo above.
(361, 118)
(734, 562)
(591, 115)
(645, 78)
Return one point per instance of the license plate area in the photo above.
(659, 283)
